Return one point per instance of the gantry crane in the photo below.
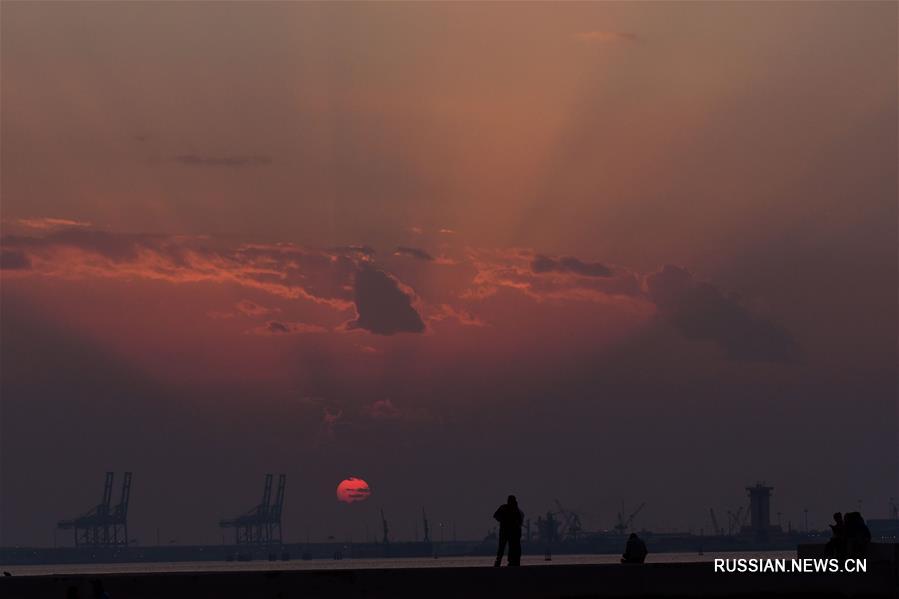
(262, 524)
(103, 525)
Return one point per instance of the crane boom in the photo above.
(715, 527)
(624, 524)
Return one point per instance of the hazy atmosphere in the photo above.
(605, 253)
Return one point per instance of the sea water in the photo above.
(369, 564)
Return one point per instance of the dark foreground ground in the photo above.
(649, 580)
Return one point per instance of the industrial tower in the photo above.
(760, 510)
(104, 525)
(262, 524)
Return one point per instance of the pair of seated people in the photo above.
(851, 536)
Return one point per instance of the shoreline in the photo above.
(533, 560)
(689, 579)
(349, 550)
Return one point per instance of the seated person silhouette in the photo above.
(836, 546)
(510, 519)
(858, 536)
(635, 551)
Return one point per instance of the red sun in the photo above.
(353, 489)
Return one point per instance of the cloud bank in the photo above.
(700, 311)
(347, 278)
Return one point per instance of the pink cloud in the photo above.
(48, 223)
(463, 317)
(383, 409)
(254, 310)
(281, 270)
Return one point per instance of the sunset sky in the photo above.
(597, 252)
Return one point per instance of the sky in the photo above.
(596, 252)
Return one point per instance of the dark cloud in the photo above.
(14, 260)
(277, 327)
(384, 308)
(526, 272)
(569, 264)
(226, 161)
(413, 253)
(700, 311)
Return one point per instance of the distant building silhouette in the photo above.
(760, 511)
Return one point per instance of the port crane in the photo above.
(104, 525)
(548, 528)
(717, 530)
(385, 540)
(736, 520)
(625, 524)
(427, 529)
(262, 524)
(570, 522)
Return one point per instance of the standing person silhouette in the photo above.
(510, 519)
